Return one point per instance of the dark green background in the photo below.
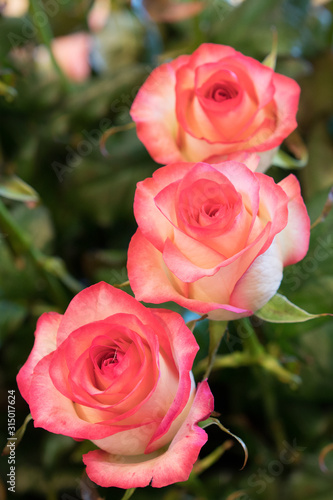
(86, 218)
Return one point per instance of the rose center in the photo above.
(212, 210)
(109, 359)
(220, 92)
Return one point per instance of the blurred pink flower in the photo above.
(99, 14)
(72, 55)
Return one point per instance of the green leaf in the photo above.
(14, 188)
(216, 331)
(283, 160)
(212, 421)
(280, 310)
(296, 146)
(270, 59)
(192, 324)
(205, 423)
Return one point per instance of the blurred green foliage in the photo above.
(49, 132)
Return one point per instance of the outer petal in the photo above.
(273, 206)
(185, 348)
(294, 239)
(152, 282)
(209, 53)
(233, 268)
(149, 280)
(260, 282)
(45, 343)
(159, 470)
(153, 111)
(96, 303)
(286, 97)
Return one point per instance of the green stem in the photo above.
(251, 343)
(217, 329)
(51, 268)
(46, 37)
(10, 228)
(253, 354)
(128, 493)
(268, 363)
(203, 464)
(197, 31)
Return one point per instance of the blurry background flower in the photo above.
(98, 14)
(72, 53)
(14, 8)
(171, 11)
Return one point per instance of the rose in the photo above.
(212, 103)
(215, 238)
(119, 374)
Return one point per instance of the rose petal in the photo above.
(96, 303)
(151, 282)
(260, 282)
(57, 413)
(273, 206)
(45, 343)
(157, 469)
(152, 223)
(286, 95)
(149, 278)
(185, 348)
(73, 375)
(153, 111)
(189, 270)
(294, 239)
(168, 406)
(209, 53)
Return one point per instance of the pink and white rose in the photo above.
(213, 103)
(119, 374)
(215, 238)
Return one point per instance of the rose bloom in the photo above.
(215, 238)
(119, 374)
(204, 106)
